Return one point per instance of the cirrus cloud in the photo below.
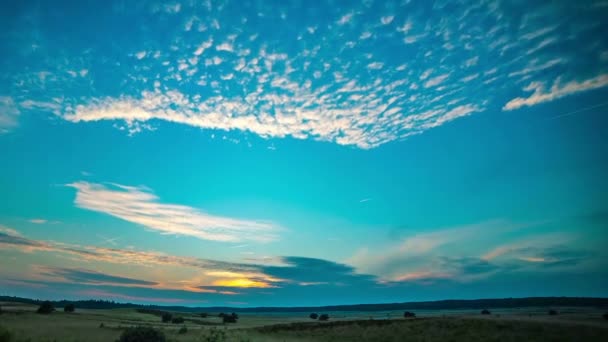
(139, 205)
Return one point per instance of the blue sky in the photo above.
(286, 153)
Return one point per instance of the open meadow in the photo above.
(20, 322)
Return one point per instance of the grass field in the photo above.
(24, 324)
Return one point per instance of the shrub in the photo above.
(182, 330)
(606, 315)
(324, 317)
(485, 312)
(552, 312)
(166, 317)
(45, 308)
(177, 320)
(230, 318)
(101, 325)
(5, 335)
(69, 308)
(142, 334)
(408, 314)
(204, 315)
(313, 316)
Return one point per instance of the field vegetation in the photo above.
(21, 322)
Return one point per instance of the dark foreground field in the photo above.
(19, 322)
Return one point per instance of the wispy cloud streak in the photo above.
(139, 205)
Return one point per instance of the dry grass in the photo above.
(84, 325)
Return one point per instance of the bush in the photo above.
(177, 320)
(552, 312)
(45, 308)
(182, 330)
(69, 308)
(101, 325)
(142, 334)
(408, 314)
(313, 316)
(5, 335)
(230, 318)
(606, 315)
(166, 317)
(324, 317)
(204, 315)
(485, 312)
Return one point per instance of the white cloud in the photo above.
(173, 8)
(557, 91)
(365, 35)
(139, 205)
(375, 66)
(436, 80)
(38, 221)
(226, 46)
(387, 20)
(534, 67)
(140, 54)
(345, 19)
(203, 46)
(538, 33)
(411, 257)
(407, 26)
(8, 114)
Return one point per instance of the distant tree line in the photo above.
(436, 305)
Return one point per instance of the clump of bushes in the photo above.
(324, 317)
(485, 312)
(142, 334)
(204, 315)
(5, 335)
(69, 308)
(606, 315)
(182, 330)
(313, 316)
(46, 308)
(214, 335)
(101, 325)
(232, 318)
(552, 312)
(166, 317)
(177, 320)
(409, 314)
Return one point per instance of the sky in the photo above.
(288, 153)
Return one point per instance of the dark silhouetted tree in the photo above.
(142, 334)
(324, 317)
(204, 315)
(232, 318)
(177, 320)
(408, 314)
(46, 308)
(606, 315)
(166, 317)
(69, 308)
(552, 312)
(313, 316)
(485, 312)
